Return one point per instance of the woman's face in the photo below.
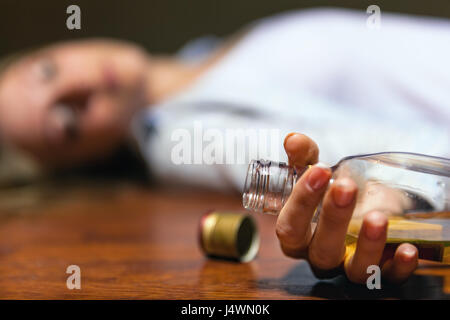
(73, 101)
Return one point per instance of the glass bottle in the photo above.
(412, 189)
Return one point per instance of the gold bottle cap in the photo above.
(229, 235)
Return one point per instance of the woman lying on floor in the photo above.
(346, 87)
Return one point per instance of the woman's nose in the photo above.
(61, 125)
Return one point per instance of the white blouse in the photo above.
(324, 73)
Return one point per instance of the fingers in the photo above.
(327, 247)
(294, 221)
(301, 150)
(402, 265)
(369, 249)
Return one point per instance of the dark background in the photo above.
(161, 25)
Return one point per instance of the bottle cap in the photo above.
(229, 235)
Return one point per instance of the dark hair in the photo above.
(124, 164)
(7, 61)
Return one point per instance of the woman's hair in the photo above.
(10, 59)
(15, 167)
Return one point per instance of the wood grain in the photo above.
(139, 243)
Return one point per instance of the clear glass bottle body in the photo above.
(412, 189)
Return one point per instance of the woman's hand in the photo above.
(324, 248)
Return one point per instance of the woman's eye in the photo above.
(47, 69)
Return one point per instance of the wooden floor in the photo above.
(140, 243)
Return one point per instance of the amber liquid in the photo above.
(428, 231)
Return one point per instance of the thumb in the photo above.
(301, 150)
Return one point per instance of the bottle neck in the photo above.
(268, 185)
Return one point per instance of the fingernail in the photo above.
(288, 136)
(322, 165)
(286, 142)
(375, 225)
(344, 193)
(408, 254)
(318, 178)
